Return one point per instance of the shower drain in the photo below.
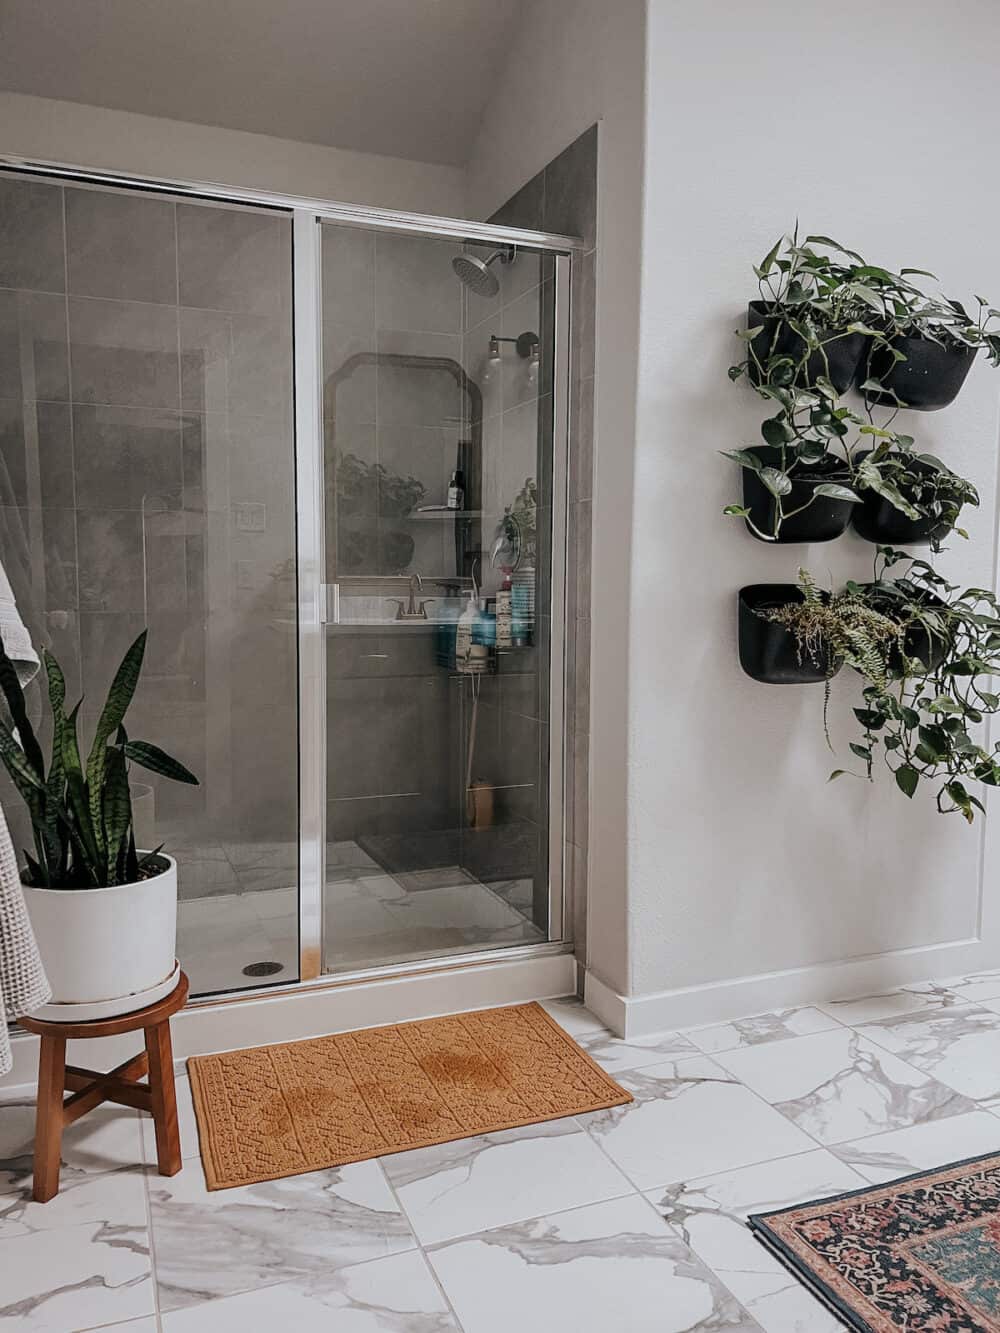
(267, 969)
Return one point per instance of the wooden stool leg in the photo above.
(49, 1118)
(164, 1098)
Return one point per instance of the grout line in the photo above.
(419, 1244)
(675, 1231)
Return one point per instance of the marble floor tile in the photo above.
(393, 1295)
(894, 1000)
(106, 1139)
(959, 1047)
(216, 1243)
(612, 1265)
(186, 1123)
(839, 1085)
(690, 1118)
(922, 1147)
(710, 1216)
(978, 986)
(480, 1183)
(618, 1054)
(774, 1026)
(80, 1260)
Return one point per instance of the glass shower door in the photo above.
(147, 468)
(438, 428)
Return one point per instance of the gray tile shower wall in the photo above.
(392, 432)
(562, 198)
(146, 477)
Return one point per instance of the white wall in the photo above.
(866, 123)
(571, 63)
(90, 136)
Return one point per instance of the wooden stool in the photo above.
(90, 1089)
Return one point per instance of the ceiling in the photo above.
(404, 77)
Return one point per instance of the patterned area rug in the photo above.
(276, 1111)
(921, 1254)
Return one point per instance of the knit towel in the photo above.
(23, 984)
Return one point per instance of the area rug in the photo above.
(920, 1254)
(275, 1111)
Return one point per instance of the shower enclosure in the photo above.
(320, 453)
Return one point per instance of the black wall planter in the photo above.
(928, 379)
(842, 355)
(824, 520)
(917, 641)
(769, 652)
(876, 520)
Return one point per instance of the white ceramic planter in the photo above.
(107, 950)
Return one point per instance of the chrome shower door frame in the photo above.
(316, 598)
(307, 216)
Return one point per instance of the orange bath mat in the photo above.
(274, 1111)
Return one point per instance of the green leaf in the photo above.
(738, 511)
(118, 700)
(21, 772)
(76, 794)
(776, 431)
(870, 718)
(14, 695)
(153, 758)
(117, 812)
(778, 483)
(907, 779)
(862, 751)
(744, 457)
(764, 267)
(835, 492)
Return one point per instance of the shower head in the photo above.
(476, 272)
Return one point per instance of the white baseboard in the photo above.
(310, 1012)
(720, 1001)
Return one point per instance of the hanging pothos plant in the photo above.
(926, 651)
(822, 323)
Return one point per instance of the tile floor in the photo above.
(629, 1220)
(236, 908)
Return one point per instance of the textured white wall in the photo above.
(865, 122)
(92, 136)
(571, 63)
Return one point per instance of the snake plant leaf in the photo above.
(117, 811)
(22, 773)
(118, 700)
(157, 761)
(76, 793)
(14, 695)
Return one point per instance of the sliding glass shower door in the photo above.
(437, 405)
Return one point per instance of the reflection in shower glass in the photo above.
(147, 478)
(438, 429)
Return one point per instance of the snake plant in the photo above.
(81, 815)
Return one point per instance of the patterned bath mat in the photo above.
(920, 1254)
(275, 1111)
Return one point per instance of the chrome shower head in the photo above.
(476, 272)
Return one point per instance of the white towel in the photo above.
(16, 638)
(23, 984)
